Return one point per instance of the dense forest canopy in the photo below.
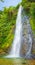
(8, 20)
(31, 0)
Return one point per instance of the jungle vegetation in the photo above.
(8, 21)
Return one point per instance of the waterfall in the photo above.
(18, 33)
(15, 50)
(23, 38)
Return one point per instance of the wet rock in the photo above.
(26, 43)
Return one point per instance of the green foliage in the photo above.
(32, 10)
(7, 26)
(32, 14)
(29, 6)
(31, 0)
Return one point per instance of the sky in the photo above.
(8, 3)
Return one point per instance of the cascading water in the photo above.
(15, 50)
(18, 33)
(22, 37)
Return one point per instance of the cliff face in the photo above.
(28, 44)
(29, 6)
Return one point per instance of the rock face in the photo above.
(27, 46)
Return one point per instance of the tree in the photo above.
(31, 0)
